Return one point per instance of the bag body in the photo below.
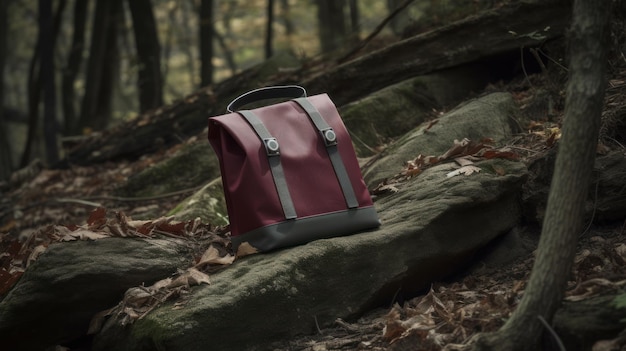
(289, 171)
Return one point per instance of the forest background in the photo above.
(73, 67)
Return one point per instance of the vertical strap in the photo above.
(272, 150)
(330, 140)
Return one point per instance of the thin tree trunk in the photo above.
(6, 163)
(286, 17)
(269, 33)
(47, 77)
(568, 192)
(228, 54)
(187, 45)
(400, 21)
(110, 69)
(95, 107)
(331, 24)
(149, 79)
(74, 61)
(206, 42)
(354, 18)
(35, 86)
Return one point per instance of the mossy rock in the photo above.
(192, 166)
(490, 116)
(392, 111)
(208, 204)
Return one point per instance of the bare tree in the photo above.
(149, 78)
(101, 66)
(269, 32)
(6, 164)
(35, 83)
(206, 42)
(354, 18)
(399, 21)
(74, 61)
(286, 18)
(47, 79)
(568, 191)
(331, 24)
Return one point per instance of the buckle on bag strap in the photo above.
(330, 140)
(272, 149)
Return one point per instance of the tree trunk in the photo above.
(226, 51)
(95, 108)
(47, 78)
(354, 18)
(206, 42)
(35, 86)
(6, 164)
(149, 79)
(401, 20)
(331, 24)
(74, 61)
(286, 18)
(568, 192)
(269, 33)
(188, 45)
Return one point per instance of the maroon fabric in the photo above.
(249, 188)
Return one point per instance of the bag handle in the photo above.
(274, 92)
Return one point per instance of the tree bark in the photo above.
(331, 24)
(47, 78)
(354, 18)
(399, 22)
(206, 42)
(6, 163)
(35, 86)
(568, 192)
(149, 79)
(74, 61)
(269, 32)
(96, 105)
(286, 18)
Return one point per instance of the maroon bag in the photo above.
(289, 171)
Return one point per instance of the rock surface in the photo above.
(490, 116)
(397, 109)
(207, 204)
(58, 295)
(431, 228)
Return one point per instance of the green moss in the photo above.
(193, 165)
(207, 203)
(620, 303)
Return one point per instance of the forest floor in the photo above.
(448, 316)
(478, 300)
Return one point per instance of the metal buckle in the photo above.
(330, 138)
(271, 146)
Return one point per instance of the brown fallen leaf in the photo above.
(190, 277)
(83, 234)
(212, 256)
(465, 170)
(245, 249)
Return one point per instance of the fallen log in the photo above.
(488, 34)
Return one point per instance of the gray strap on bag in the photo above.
(330, 140)
(273, 155)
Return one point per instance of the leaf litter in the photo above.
(464, 152)
(211, 244)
